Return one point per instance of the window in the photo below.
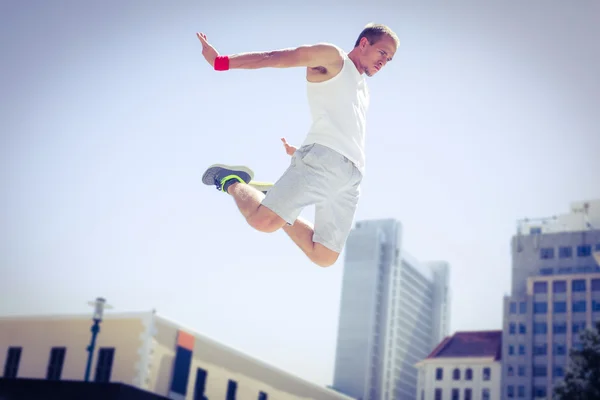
(521, 370)
(263, 395)
(539, 391)
(438, 394)
(558, 371)
(547, 253)
(521, 391)
(559, 327)
(559, 349)
(595, 285)
(559, 287)
(55, 365)
(231, 390)
(510, 391)
(540, 349)
(456, 374)
(11, 365)
(523, 307)
(522, 329)
(540, 328)
(468, 394)
(200, 385)
(560, 307)
(540, 308)
(522, 349)
(565, 252)
(439, 374)
(584, 250)
(511, 350)
(595, 305)
(487, 372)
(540, 287)
(513, 308)
(181, 371)
(455, 394)
(104, 365)
(579, 306)
(540, 370)
(510, 371)
(512, 328)
(578, 285)
(469, 374)
(578, 326)
(546, 271)
(485, 394)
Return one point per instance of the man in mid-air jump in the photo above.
(327, 169)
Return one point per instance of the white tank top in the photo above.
(339, 108)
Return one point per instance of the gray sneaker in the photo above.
(224, 175)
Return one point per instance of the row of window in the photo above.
(577, 285)
(584, 250)
(486, 374)
(538, 391)
(56, 362)
(541, 349)
(560, 307)
(103, 370)
(581, 269)
(455, 394)
(537, 371)
(541, 328)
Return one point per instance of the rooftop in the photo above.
(470, 344)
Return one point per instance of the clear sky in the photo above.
(109, 115)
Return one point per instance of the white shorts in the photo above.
(321, 176)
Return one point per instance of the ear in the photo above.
(363, 42)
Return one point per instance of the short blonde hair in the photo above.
(373, 32)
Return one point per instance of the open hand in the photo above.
(289, 149)
(208, 51)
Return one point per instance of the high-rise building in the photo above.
(393, 312)
(555, 295)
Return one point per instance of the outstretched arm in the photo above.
(317, 55)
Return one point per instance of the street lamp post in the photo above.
(99, 306)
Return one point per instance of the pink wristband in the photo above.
(221, 63)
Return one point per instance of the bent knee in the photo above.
(265, 220)
(324, 257)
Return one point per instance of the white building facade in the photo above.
(393, 312)
(466, 366)
(148, 352)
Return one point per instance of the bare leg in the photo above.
(248, 201)
(246, 198)
(301, 232)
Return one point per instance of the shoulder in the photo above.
(321, 54)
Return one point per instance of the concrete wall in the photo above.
(38, 335)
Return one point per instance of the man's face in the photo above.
(375, 56)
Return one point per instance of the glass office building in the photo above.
(393, 313)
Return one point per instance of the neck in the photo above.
(353, 55)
